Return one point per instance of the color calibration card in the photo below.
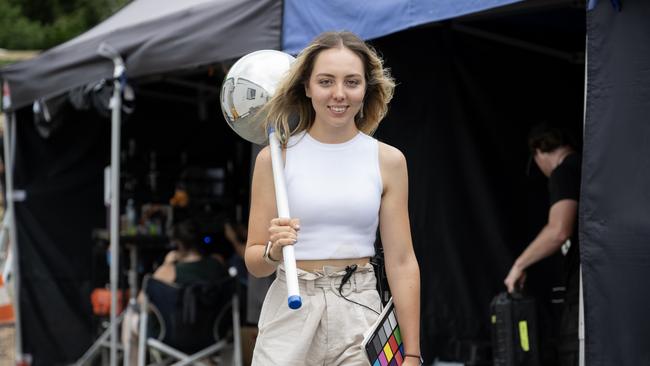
(384, 345)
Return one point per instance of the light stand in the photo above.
(119, 70)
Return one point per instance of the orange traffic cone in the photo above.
(6, 308)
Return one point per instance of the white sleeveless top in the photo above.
(335, 190)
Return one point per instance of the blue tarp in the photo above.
(303, 20)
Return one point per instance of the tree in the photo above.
(42, 24)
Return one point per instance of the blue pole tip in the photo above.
(295, 302)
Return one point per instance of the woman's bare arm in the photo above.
(401, 265)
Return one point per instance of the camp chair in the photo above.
(191, 320)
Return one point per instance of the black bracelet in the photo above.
(416, 356)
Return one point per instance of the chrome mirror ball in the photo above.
(249, 84)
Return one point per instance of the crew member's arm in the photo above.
(561, 222)
(263, 226)
(166, 272)
(401, 265)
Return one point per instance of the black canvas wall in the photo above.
(616, 201)
(63, 180)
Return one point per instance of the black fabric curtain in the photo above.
(461, 114)
(62, 177)
(615, 201)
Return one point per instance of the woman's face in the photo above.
(336, 87)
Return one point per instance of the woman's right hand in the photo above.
(282, 232)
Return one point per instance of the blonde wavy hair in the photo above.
(290, 101)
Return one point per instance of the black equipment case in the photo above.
(515, 332)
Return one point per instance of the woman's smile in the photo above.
(338, 109)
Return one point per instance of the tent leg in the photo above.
(581, 305)
(581, 325)
(9, 149)
(5, 257)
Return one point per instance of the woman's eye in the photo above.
(353, 82)
(325, 82)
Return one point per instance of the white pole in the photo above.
(581, 304)
(9, 141)
(581, 324)
(4, 247)
(293, 291)
(116, 107)
(236, 327)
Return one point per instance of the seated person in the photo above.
(189, 263)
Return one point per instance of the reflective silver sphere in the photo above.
(249, 84)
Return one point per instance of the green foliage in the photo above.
(16, 31)
(65, 27)
(41, 24)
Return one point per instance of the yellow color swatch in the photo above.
(388, 352)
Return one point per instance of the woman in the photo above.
(342, 184)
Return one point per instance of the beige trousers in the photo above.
(327, 330)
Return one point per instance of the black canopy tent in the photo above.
(153, 37)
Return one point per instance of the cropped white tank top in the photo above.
(335, 190)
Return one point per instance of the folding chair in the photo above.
(191, 320)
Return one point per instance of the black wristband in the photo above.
(415, 356)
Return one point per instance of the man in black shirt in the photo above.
(557, 160)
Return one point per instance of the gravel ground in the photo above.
(6, 345)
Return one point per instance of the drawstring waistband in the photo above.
(331, 277)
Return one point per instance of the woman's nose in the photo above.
(338, 92)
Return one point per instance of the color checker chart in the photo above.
(384, 345)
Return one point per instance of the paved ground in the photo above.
(6, 345)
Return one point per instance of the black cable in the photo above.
(349, 270)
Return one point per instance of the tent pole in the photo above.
(115, 215)
(581, 325)
(581, 304)
(116, 107)
(9, 149)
